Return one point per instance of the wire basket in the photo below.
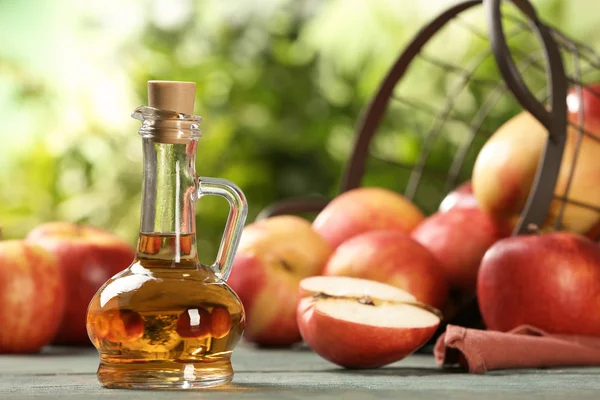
(518, 63)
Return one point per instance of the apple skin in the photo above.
(459, 239)
(88, 257)
(273, 256)
(461, 197)
(354, 345)
(32, 297)
(550, 281)
(365, 209)
(391, 257)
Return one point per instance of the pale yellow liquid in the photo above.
(165, 324)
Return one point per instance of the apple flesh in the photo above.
(356, 323)
(87, 257)
(365, 209)
(273, 256)
(459, 239)
(550, 281)
(345, 286)
(32, 297)
(391, 257)
(461, 197)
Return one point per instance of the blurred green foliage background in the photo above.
(281, 84)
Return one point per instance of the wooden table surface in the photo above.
(67, 373)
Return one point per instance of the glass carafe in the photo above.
(168, 321)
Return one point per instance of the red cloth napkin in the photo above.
(480, 351)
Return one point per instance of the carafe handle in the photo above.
(238, 210)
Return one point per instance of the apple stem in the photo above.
(285, 265)
(78, 228)
(533, 228)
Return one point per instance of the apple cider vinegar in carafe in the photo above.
(168, 321)
(183, 314)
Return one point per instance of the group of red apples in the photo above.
(362, 284)
(48, 280)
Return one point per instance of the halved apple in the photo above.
(357, 323)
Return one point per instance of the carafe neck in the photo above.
(169, 188)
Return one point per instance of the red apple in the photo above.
(391, 257)
(458, 239)
(357, 323)
(507, 164)
(88, 257)
(273, 256)
(550, 281)
(365, 209)
(461, 197)
(32, 297)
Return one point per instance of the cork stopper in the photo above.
(172, 96)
